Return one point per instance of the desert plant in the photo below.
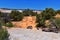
(4, 34)
(28, 12)
(48, 13)
(40, 20)
(16, 15)
(58, 12)
(57, 22)
(9, 24)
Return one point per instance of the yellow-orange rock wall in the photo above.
(27, 21)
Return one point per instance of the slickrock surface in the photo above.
(28, 34)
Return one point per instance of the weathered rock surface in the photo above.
(28, 34)
(25, 22)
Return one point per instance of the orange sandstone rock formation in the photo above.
(27, 21)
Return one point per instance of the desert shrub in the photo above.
(40, 21)
(57, 22)
(38, 25)
(16, 15)
(9, 24)
(3, 34)
(28, 12)
(0, 25)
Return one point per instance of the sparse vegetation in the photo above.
(16, 15)
(4, 34)
(28, 12)
(57, 22)
(46, 14)
(58, 12)
(9, 24)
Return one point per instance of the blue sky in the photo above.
(31, 4)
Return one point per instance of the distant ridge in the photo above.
(19, 9)
(8, 10)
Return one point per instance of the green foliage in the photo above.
(0, 13)
(40, 20)
(9, 24)
(58, 12)
(48, 13)
(28, 12)
(57, 22)
(38, 25)
(3, 34)
(0, 24)
(16, 15)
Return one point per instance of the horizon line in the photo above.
(23, 9)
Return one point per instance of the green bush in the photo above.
(16, 15)
(57, 22)
(9, 24)
(3, 34)
(38, 25)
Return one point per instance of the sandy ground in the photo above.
(28, 34)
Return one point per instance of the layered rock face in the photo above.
(26, 22)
